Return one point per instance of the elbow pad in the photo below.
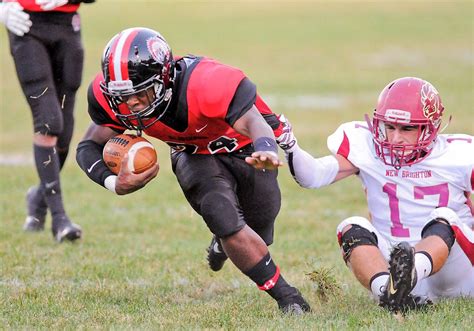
(310, 172)
(89, 158)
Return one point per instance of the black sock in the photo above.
(263, 274)
(47, 165)
(62, 155)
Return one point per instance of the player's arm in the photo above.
(89, 157)
(253, 125)
(308, 171)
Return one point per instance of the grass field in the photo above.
(141, 263)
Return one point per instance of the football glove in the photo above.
(286, 140)
(50, 4)
(14, 18)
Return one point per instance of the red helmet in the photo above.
(136, 60)
(407, 101)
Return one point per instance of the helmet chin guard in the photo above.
(138, 61)
(412, 102)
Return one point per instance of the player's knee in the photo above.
(440, 227)
(49, 124)
(220, 214)
(353, 236)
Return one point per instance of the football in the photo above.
(141, 153)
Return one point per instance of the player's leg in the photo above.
(260, 199)
(364, 253)
(210, 189)
(68, 58)
(38, 87)
(450, 246)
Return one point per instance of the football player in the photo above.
(223, 147)
(45, 42)
(418, 243)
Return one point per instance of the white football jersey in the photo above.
(400, 201)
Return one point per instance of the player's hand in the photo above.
(264, 160)
(128, 182)
(14, 18)
(50, 4)
(286, 140)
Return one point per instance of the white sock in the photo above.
(377, 284)
(423, 265)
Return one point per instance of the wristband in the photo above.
(110, 183)
(266, 144)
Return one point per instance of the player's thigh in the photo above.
(259, 196)
(199, 175)
(36, 80)
(68, 60)
(33, 65)
(456, 277)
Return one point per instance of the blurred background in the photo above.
(142, 260)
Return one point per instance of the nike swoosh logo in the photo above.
(199, 130)
(50, 185)
(93, 165)
(391, 289)
(268, 262)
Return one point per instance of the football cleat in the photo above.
(402, 278)
(417, 302)
(294, 304)
(215, 254)
(37, 209)
(63, 229)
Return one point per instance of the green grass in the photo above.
(141, 263)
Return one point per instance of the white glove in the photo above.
(286, 140)
(50, 4)
(14, 18)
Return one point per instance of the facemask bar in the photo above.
(136, 121)
(399, 155)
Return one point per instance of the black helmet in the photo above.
(136, 60)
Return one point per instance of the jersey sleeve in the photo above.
(244, 98)
(460, 151)
(353, 141)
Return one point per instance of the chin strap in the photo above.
(447, 124)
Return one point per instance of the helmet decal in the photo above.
(397, 115)
(158, 49)
(430, 101)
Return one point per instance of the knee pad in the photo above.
(441, 228)
(354, 237)
(47, 114)
(221, 214)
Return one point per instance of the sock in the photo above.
(47, 165)
(62, 157)
(423, 265)
(267, 277)
(378, 283)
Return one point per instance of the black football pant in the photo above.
(228, 193)
(49, 62)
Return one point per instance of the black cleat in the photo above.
(37, 209)
(294, 304)
(216, 255)
(417, 302)
(64, 229)
(402, 279)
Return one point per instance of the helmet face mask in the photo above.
(138, 62)
(412, 104)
